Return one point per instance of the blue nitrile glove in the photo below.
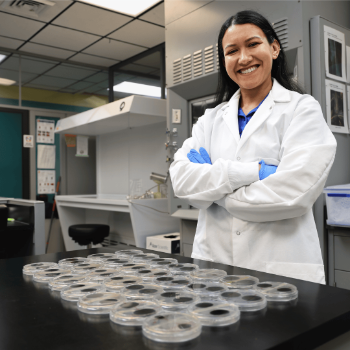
(201, 158)
(266, 170)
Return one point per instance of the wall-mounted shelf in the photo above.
(130, 112)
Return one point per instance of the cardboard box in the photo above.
(168, 243)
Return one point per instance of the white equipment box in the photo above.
(168, 243)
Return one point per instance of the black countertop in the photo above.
(32, 317)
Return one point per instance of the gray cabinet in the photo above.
(187, 231)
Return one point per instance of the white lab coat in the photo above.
(263, 225)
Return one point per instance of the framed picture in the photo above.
(334, 47)
(336, 107)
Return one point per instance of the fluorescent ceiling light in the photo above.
(2, 57)
(138, 89)
(128, 7)
(6, 81)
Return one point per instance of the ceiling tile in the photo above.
(93, 20)
(156, 15)
(53, 81)
(69, 72)
(43, 87)
(92, 89)
(140, 33)
(10, 43)
(137, 68)
(64, 38)
(114, 49)
(152, 60)
(13, 75)
(81, 85)
(104, 92)
(47, 50)
(70, 91)
(35, 66)
(46, 15)
(18, 27)
(97, 78)
(91, 59)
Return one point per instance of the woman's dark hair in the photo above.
(226, 86)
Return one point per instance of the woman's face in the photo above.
(248, 55)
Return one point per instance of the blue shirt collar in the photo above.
(241, 113)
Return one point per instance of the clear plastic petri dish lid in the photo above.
(47, 275)
(76, 291)
(70, 262)
(101, 256)
(145, 257)
(148, 275)
(100, 274)
(173, 282)
(129, 253)
(113, 263)
(277, 291)
(60, 282)
(215, 313)
(86, 267)
(245, 299)
(240, 281)
(207, 290)
(99, 303)
(173, 300)
(171, 327)
(117, 283)
(162, 262)
(183, 268)
(134, 313)
(208, 275)
(31, 269)
(133, 268)
(142, 291)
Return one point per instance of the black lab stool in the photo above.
(86, 234)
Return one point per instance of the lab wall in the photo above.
(129, 155)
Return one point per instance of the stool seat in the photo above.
(85, 234)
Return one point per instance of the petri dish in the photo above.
(101, 256)
(277, 291)
(70, 262)
(99, 303)
(139, 258)
(183, 268)
(141, 291)
(113, 263)
(31, 269)
(208, 275)
(171, 328)
(174, 300)
(60, 282)
(173, 282)
(86, 268)
(47, 275)
(207, 290)
(129, 253)
(133, 268)
(133, 313)
(162, 262)
(240, 281)
(215, 313)
(148, 275)
(117, 283)
(245, 299)
(78, 290)
(100, 274)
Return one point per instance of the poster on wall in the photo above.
(46, 181)
(348, 101)
(46, 157)
(334, 47)
(45, 131)
(348, 63)
(336, 107)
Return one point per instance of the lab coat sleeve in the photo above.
(202, 184)
(307, 154)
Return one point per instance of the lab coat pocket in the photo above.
(301, 271)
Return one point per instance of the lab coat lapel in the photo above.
(230, 115)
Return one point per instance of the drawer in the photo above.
(342, 253)
(342, 279)
(188, 230)
(187, 250)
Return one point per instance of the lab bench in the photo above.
(32, 318)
